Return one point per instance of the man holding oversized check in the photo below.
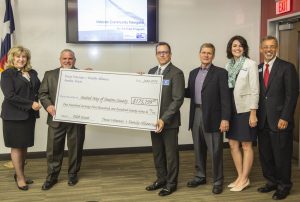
(57, 131)
(165, 138)
(125, 100)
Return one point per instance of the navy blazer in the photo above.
(279, 99)
(19, 94)
(215, 95)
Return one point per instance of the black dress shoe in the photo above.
(23, 188)
(72, 180)
(28, 181)
(166, 191)
(280, 194)
(217, 189)
(267, 188)
(196, 182)
(49, 184)
(156, 185)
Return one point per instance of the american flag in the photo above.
(6, 38)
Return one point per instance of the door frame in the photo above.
(273, 29)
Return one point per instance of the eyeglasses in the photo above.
(162, 52)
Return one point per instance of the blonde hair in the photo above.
(16, 51)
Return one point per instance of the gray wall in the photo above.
(40, 26)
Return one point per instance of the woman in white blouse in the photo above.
(244, 84)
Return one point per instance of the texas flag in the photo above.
(6, 38)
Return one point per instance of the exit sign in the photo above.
(283, 6)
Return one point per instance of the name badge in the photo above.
(260, 70)
(166, 82)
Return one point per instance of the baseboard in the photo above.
(107, 151)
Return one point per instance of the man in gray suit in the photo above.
(210, 111)
(165, 138)
(57, 131)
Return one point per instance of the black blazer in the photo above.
(279, 99)
(215, 95)
(172, 95)
(19, 94)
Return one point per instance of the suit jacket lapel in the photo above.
(153, 70)
(57, 74)
(274, 70)
(193, 81)
(33, 80)
(20, 76)
(167, 69)
(261, 77)
(208, 76)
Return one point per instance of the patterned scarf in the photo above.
(233, 67)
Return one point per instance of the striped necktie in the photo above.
(159, 71)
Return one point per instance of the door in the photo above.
(289, 49)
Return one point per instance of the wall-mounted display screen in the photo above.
(112, 21)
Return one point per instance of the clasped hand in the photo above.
(36, 106)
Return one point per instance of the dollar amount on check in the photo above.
(112, 99)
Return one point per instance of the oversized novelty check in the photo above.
(112, 99)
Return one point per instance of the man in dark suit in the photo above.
(279, 90)
(165, 138)
(210, 111)
(57, 131)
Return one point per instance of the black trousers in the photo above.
(75, 134)
(275, 151)
(166, 156)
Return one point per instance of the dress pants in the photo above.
(166, 156)
(55, 148)
(203, 141)
(275, 152)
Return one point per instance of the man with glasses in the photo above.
(279, 90)
(165, 138)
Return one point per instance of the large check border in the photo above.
(61, 86)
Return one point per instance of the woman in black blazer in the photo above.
(20, 108)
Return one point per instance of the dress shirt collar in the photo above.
(271, 62)
(202, 67)
(163, 67)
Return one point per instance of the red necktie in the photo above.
(266, 75)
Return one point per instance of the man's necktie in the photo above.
(159, 71)
(266, 75)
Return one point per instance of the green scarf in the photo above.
(233, 68)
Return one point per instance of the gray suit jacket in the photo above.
(172, 95)
(47, 93)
